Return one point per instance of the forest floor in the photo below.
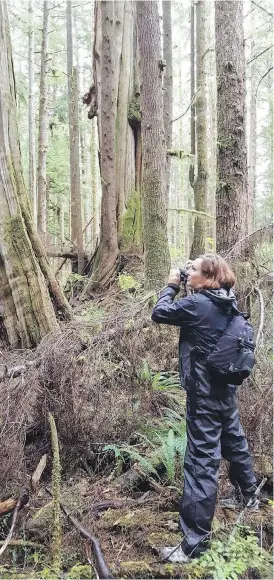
(110, 380)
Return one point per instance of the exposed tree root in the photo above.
(102, 568)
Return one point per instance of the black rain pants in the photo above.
(213, 430)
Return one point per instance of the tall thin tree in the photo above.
(32, 160)
(157, 258)
(200, 183)
(232, 182)
(43, 130)
(168, 85)
(76, 221)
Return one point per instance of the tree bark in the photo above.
(106, 257)
(94, 186)
(43, 127)
(168, 85)
(157, 258)
(32, 162)
(127, 134)
(76, 220)
(26, 310)
(232, 183)
(200, 184)
(192, 93)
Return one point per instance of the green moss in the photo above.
(162, 538)
(132, 223)
(134, 112)
(126, 282)
(79, 572)
(136, 569)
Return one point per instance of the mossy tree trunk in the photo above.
(127, 127)
(26, 309)
(232, 182)
(200, 183)
(157, 258)
(107, 254)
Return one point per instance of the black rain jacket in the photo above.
(202, 318)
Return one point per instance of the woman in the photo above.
(213, 424)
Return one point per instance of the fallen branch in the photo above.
(6, 373)
(21, 502)
(38, 472)
(250, 241)
(241, 515)
(24, 544)
(103, 570)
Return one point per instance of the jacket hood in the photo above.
(224, 298)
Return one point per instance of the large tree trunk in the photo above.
(107, 253)
(168, 85)
(200, 184)
(157, 258)
(43, 131)
(76, 221)
(127, 132)
(32, 163)
(232, 193)
(26, 310)
(94, 186)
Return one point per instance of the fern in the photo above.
(125, 452)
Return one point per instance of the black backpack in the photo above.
(232, 358)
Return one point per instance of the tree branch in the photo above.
(187, 109)
(262, 8)
(21, 502)
(260, 53)
(262, 78)
(192, 211)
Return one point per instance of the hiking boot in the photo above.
(174, 555)
(233, 502)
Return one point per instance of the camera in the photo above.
(183, 275)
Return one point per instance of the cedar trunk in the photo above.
(27, 313)
(107, 253)
(157, 258)
(232, 182)
(200, 184)
(127, 115)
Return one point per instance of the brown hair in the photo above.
(217, 272)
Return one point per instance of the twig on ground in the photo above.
(241, 515)
(103, 570)
(21, 502)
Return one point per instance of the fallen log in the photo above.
(103, 571)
